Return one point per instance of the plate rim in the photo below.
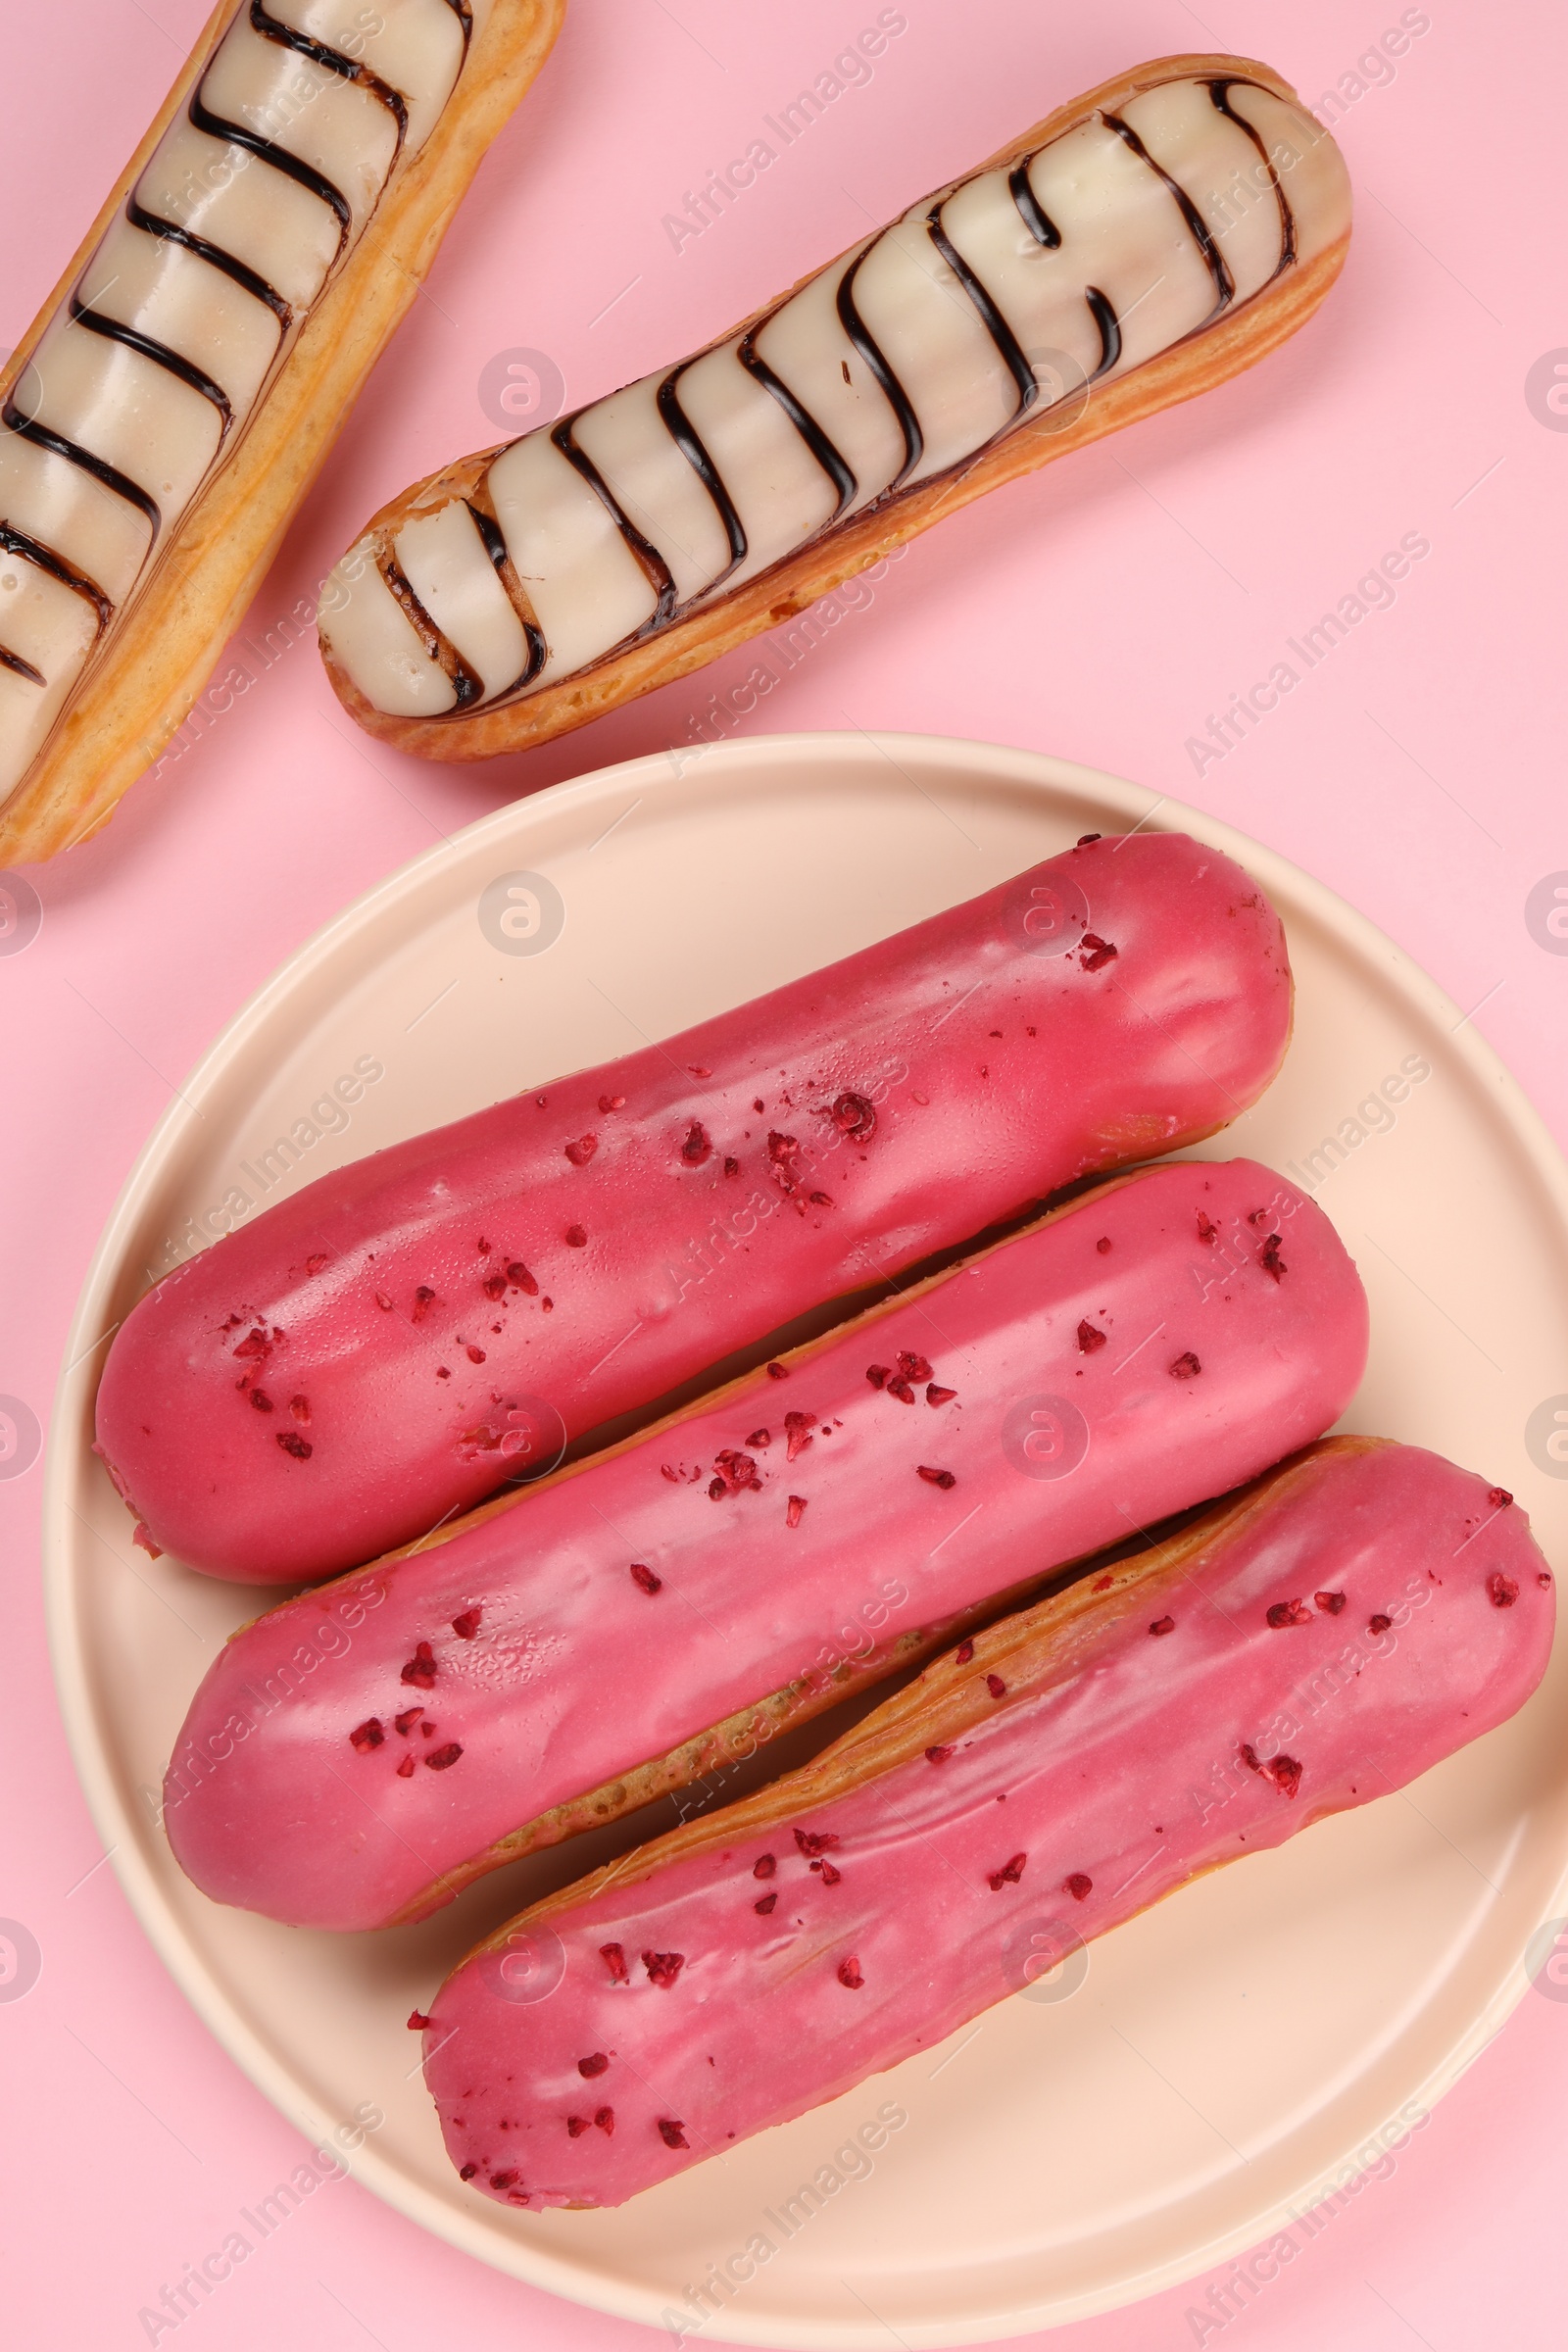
(119, 1827)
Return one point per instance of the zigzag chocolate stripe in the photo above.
(663, 579)
(832, 461)
(32, 551)
(113, 331)
(273, 28)
(1220, 93)
(495, 547)
(689, 442)
(241, 273)
(466, 684)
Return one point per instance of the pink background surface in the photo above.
(1100, 611)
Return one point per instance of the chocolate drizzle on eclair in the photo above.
(948, 264)
(86, 311)
(495, 547)
(660, 578)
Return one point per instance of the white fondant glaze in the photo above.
(141, 417)
(1128, 245)
(463, 596)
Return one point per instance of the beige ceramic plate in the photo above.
(1226, 2055)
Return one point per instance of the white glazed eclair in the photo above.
(1139, 246)
(170, 405)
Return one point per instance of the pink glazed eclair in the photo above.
(400, 1337)
(1364, 1611)
(360, 1753)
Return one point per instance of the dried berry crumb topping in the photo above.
(1498, 1497)
(913, 1366)
(793, 1510)
(467, 1623)
(1379, 1624)
(467, 2171)
(298, 1448)
(963, 1653)
(1207, 1230)
(441, 1759)
(494, 1285)
(1270, 1259)
(933, 1477)
(664, 1967)
(698, 1146)
(418, 2023)
(645, 1580)
(576, 2126)
(854, 1116)
(938, 1756)
(405, 1723)
(735, 1473)
(996, 1686)
(1079, 1885)
(1284, 1771)
(1008, 1874)
(878, 1375)
(262, 1401)
(582, 1151)
(764, 1866)
(1186, 1366)
(1103, 1243)
(476, 1356)
(939, 1396)
(761, 1438)
(1501, 1591)
(594, 2064)
(424, 1300)
(827, 1872)
(1331, 1603)
(614, 1959)
(1089, 1339)
(1163, 1625)
(519, 1277)
(609, 1102)
(1282, 1613)
(605, 2120)
(576, 1237)
(405, 1769)
(367, 1735)
(778, 1371)
(820, 1200)
(849, 1975)
(900, 1387)
(765, 1903)
(1084, 839)
(420, 1668)
(671, 2132)
(1097, 952)
(797, 1429)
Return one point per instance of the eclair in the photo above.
(1141, 245)
(1310, 1646)
(167, 410)
(644, 1617)
(400, 1337)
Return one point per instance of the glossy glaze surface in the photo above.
(1116, 1764)
(807, 1145)
(1160, 1344)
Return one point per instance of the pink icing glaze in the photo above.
(575, 1673)
(995, 1066)
(1124, 1775)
